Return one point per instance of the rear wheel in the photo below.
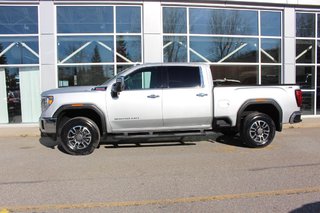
(80, 136)
(258, 130)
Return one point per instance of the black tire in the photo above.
(258, 130)
(80, 136)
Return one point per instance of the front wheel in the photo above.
(258, 130)
(80, 136)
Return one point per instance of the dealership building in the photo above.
(46, 44)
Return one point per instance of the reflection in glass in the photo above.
(85, 49)
(318, 49)
(223, 49)
(18, 20)
(270, 50)
(305, 77)
(19, 50)
(247, 75)
(13, 95)
(128, 19)
(223, 21)
(270, 75)
(121, 68)
(307, 103)
(84, 75)
(174, 20)
(128, 49)
(175, 49)
(84, 19)
(145, 78)
(318, 91)
(270, 23)
(305, 51)
(305, 25)
(319, 26)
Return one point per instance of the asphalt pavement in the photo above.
(213, 174)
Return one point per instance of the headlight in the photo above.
(46, 101)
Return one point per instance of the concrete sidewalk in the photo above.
(32, 130)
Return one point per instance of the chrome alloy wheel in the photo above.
(79, 137)
(260, 131)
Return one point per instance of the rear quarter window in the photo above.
(182, 77)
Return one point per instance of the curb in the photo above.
(19, 130)
(32, 130)
(306, 123)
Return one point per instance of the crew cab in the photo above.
(164, 100)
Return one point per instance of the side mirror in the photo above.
(117, 87)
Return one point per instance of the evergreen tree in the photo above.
(92, 75)
(122, 49)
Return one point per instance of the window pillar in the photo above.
(152, 32)
(47, 45)
(289, 69)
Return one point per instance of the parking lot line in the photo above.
(37, 208)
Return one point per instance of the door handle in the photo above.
(202, 94)
(153, 96)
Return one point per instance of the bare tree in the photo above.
(3, 58)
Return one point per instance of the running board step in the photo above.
(161, 134)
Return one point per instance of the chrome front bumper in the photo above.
(48, 125)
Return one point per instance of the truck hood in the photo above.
(68, 90)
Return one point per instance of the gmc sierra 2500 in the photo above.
(163, 100)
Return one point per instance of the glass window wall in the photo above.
(270, 74)
(223, 22)
(175, 49)
(226, 38)
(174, 20)
(270, 23)
(93, 46)
(223, 49)
(18, 20)
(308, 60)
(78, 19)
(84, 75)
(19, 65)
(19, 50)
(128, 19)
(305, 24)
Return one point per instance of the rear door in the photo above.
(139, 106)
(186, 100)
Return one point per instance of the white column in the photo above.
(289, 52)
(3, 98)
(30, 94)
(152, 31)
(48, 69)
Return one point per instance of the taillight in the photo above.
(299, 97)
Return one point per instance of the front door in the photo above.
(139, 106)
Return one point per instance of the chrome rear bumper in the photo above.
(295, 117)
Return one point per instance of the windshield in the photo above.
(116, 76)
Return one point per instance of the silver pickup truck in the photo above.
(164, 100)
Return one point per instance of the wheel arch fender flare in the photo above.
(92, 107)
(254, 104)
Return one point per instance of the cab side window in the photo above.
(182, 77)
(145, 78)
